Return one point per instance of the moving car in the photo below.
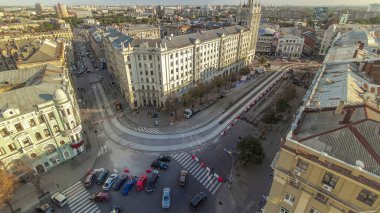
(89, 179)
(44, 208)
(102, 177)
(153, 179)
(128, 186)
(183, 178)
(100, 197)
(141, 182)
(59, 199)
(197, 200)
(120, 182)
(159, 165)
(166, 198)
(164, 158)
(109, 182)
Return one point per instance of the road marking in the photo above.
(194, 165)
(210, 181)
(213, 185)
(186, 165)
(175, 156)
(71, 187)
(90, 210)
(184, 160)
(216, 188)
(200, 174)
(178, 156)
(205, 177)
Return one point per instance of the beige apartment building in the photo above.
(148, 71)
(330, 159)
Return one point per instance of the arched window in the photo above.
(46, 132)
(72, 124)
(38, 136)
(49, 149)
(62, 142)
(15, 166)
(56, 128)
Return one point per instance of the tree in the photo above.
(218, 82)
(26, 167)
(250, 150)
(262, 60)
(245, 70)
(270, 117)
(187, 100)
(172, 103)
(198, 92)
(290, 93)
(7, 188)
(208, 88)
(282, 105)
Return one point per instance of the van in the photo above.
(183, 178)
(59, 199)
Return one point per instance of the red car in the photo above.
(141, 182)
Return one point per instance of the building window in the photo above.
(19, 127)
(4, 132)
(41, 119)
(312, 210)
(302, 166)
(12, 147)
(68, 111)
(56, 128)
(32, 122)
(283, 210)
(38, 136)
(51, 115)
(49, 149)
(289, 199)
(330, 179)
(321, 198)
(46, 132)
(62, 142)
(33, 155)
(26, 142)
(367, 197)
(2, 151)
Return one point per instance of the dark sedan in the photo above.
(120, 182)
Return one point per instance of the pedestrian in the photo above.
(212, 170)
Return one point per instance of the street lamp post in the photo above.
(232, 166)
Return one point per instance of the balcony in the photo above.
(74, 131)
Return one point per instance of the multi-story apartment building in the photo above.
(149, 70)
(266, 41)
(330, 159)
(142, 31)
(39, 8)
(39, 120)
(289, 46)
(61, 10)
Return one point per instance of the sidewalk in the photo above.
(65, 175)
(136, 121)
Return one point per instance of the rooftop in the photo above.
(27, 88)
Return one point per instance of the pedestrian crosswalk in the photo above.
(79, 199)
(103, 149)
(148, 130)
(202, 174)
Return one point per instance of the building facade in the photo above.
(61, 10)
(289, 46)
(148, 71)
(39, 123)
(330, 158)
(39, 8)
(266, 42)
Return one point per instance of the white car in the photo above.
(59, 199)
(109, 182)
(166, 198)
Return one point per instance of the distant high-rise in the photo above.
(61, 10)
(39, 8)
(343, 18)
(374, 8)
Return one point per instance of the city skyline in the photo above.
(186, 2)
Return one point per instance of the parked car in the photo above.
(120, 182)
(197, 200)
(102, 177)
(44, 208)
(90, 179)
(109, 182)
(153, 179)
(182, 178)
(59, 199)
(100, 197)
(128, 186)
(164, 158)
(141, 182)
(159, 165)
(166, 198)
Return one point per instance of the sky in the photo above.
(176, 2)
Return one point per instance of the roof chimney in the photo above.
(339, 108)
(347, 116)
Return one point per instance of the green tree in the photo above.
(198, 92)
(251, 150)
(172, 104)
(270, 117)
(282, 105)
(7, 188)
(263, 60)
(187, 100)
(218, 82)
